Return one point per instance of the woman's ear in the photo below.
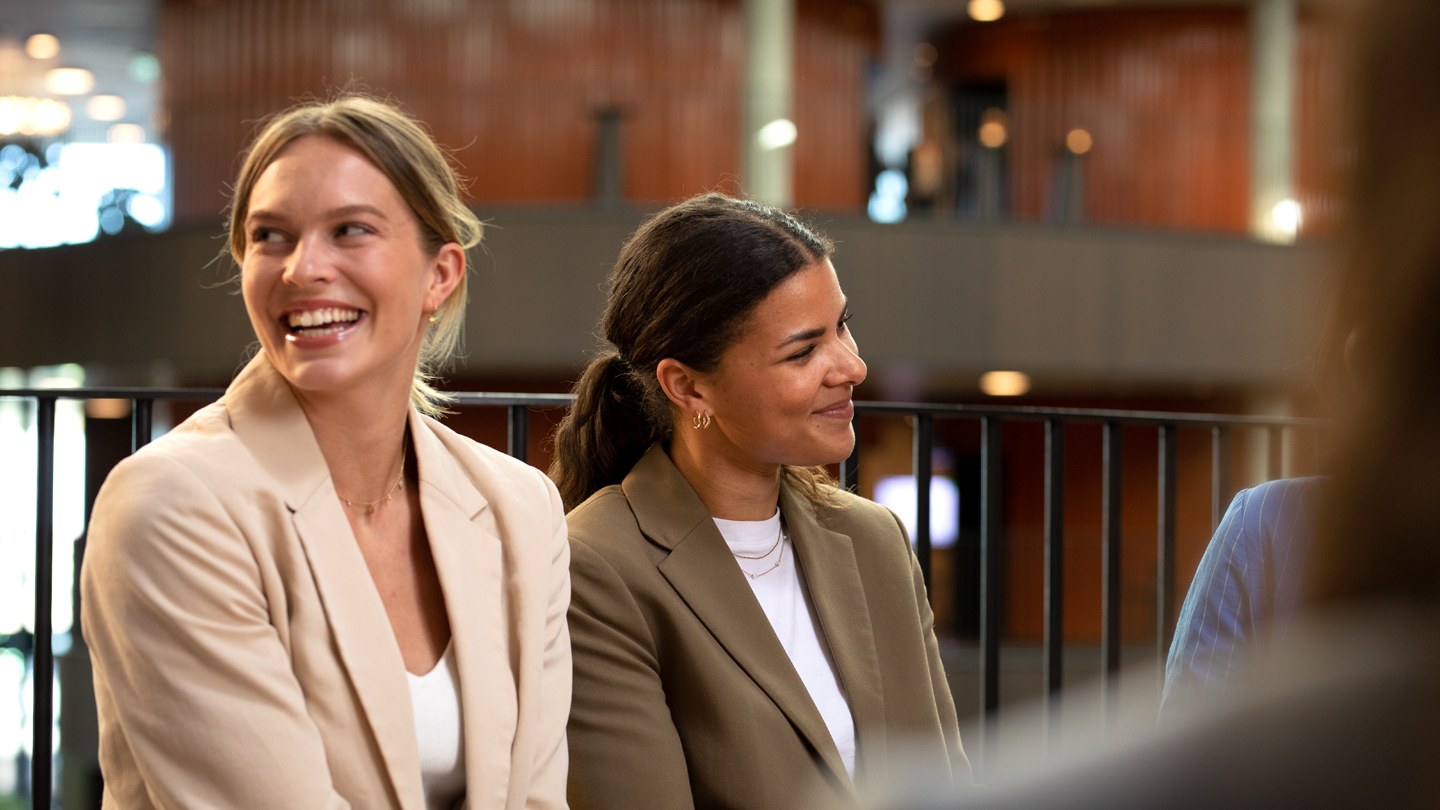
(447, 269)
(682, 385)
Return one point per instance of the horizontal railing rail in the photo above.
(924, 416)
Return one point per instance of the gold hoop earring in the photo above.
(702, 420)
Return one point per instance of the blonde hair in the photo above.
(399, 147)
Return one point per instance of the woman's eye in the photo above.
(351, 229)
(800, 355)
(262, 235)
(844, 319)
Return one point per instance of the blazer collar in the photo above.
(268, 419)
(703, 572)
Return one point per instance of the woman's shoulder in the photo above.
(848, 513)
(604, 520)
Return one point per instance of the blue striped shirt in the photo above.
(1248, 582)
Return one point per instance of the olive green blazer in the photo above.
(683, 695)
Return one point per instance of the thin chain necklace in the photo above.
(779, 536)
(371, 506)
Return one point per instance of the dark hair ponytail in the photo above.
(683, 287)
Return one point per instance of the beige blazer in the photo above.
(243, 657)
(684, 697)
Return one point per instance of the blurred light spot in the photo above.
(1005, 383)
(1287, 217)
(144, 67)
(993, 133)
(147, 210)
(986, 10)
(777, 133)
(1079, 141)
(42, 46)
(887, 202)
(925, 54)
(126, 133)
(32, 116)
(69, 81)
(107, 408)
(898, 493)
(105, 108)
(58, 382)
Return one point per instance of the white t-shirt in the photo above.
(440, 731)
(786, 602)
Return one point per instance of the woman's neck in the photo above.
(731, 488)
(361, 438)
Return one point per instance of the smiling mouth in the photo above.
(320, 322)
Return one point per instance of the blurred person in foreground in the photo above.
(1244, 593)
(311, 594)
(745, 634)
(1344, 715)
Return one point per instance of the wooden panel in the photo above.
(513, 88)
(1166, 96)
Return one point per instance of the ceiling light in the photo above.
(1287, 217)
(32, 116)
(42, 46)
(1079, 141)
(69, 81)
(105, 108)
(777, 133)
(986, 10)
(126, 133)
(1005, 383)
(993, 131)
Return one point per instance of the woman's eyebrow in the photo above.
(808, 334)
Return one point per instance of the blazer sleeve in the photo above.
(939, 683)
(548, 782)
(182, 644)
(620, 724)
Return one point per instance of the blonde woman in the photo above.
(312, 594)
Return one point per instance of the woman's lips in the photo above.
(841, 410)
(319, 329)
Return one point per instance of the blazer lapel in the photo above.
(470, 562)
(704, 574)
(827, 561)
(266, 416)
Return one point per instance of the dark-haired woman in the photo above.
(745, 635)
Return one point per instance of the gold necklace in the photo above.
(768, 553)
(371, 506)
(778, 560)
(779, 537)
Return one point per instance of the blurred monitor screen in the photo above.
(898, 493)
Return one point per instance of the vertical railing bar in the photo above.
(518, 432)
(141, 421)
(1274, 452)
(924, 440)
(1054, 651)
(990, 560)
(1110, 565)
(42, 679)
(850, 467)
(1219, 474)
(1165, 556)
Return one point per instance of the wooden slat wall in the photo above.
(512, 87)
(1166, 96)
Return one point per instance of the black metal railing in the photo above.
(924, 416)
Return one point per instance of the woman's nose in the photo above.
(849, 368)
(310, 263)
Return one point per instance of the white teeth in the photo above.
(308, 318)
